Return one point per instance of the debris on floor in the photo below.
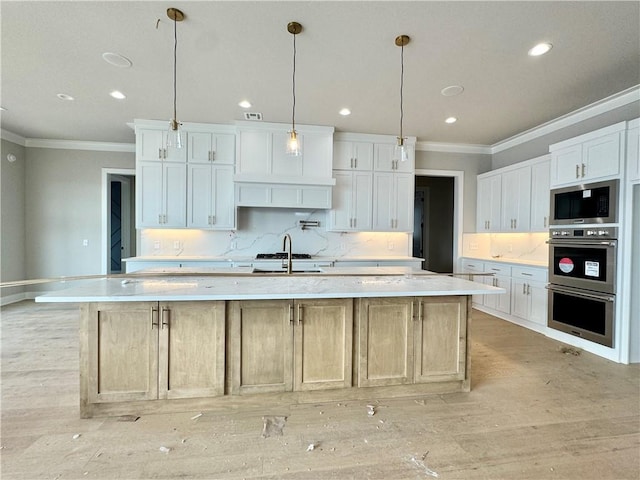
(311, 447)
(128, 418)
(273, 425)
(371, 410)
(421, 465)
(76, 436)
(164, 449)
(570, 351)
(195, 417)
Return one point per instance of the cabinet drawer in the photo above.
(532, 274)
(498, 269)
(472, 266)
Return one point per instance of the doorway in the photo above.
(437, 219)
(118, 229)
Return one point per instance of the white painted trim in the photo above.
(369, 137)
(453, 148)
(458, 195)
(620, 99)
(9, 299)
(80, 145)
(104, 237)
(13, 137)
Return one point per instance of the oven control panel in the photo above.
(594, 232)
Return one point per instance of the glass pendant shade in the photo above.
(401, 152)
(293, 144)
(175, 135)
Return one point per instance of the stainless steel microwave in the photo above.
(588, 203)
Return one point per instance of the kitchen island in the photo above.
(167, 341)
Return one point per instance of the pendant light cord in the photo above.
(401, 87)
(175, 58)
(293, 109)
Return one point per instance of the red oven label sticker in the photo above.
(566, 265)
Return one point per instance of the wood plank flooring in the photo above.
(534, 412)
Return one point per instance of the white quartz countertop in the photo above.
(241, 284)
(511, 261)
(314, 258)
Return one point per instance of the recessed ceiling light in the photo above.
(116, 60)
(451, 120)
(64, 96)
(452, 90)
(540, 49)
(345, 112)
(118, 95)
(245, 104)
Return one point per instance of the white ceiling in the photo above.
(346, 57)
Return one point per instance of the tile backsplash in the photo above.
(261, 230)
(530, 247)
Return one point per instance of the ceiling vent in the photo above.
(252, 116)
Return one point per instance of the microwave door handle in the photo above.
(579, 244)
(595, 296)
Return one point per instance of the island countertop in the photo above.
(241, 284)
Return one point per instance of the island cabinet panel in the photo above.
(261, 341)
(282, 345)
(192, 343)
(323, 344)
(440, 339)
(385, 341)
(123, 343)
(149, 350)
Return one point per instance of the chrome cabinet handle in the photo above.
(577, 171)
(291, 313)
(154, 317)
(165, 317)
(583, 167)
(299, 313)
(160, 153)
(524, 288)
(528, 289)
(545, 222)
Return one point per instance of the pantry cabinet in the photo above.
(161, 194)
(152, 350)
(282, 345)
(210, 202)
(590, 157)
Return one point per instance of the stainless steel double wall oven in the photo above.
(582, 261)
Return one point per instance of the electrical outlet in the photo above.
(156, 245)
(176, 244)
(473, 246)
(233, 245)
(390, 246)
(85, 243)
(343, 246)
(510, 247)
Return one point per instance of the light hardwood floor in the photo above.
(534, 412)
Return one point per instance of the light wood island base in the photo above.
(160, 357)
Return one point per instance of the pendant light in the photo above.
(175, 133)
(293, 143)
(401, 152)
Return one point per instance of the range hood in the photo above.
(283, 192)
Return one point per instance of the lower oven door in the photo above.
(585, 314)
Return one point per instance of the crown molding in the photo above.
(13, 137)
(453, 147)
(80, 145)
(605, 105)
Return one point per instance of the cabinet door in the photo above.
(520, 301)
(224, 149)
(200, 147)
(175, 195)
(121, 342)
(363, 155)
(633, 153)
(149, 194)
(385, 341)
(340, 215)
(362, 201)
(566, 165)
(601, 157)
(383, 157)
(474, 266)
(342, 155)
(149, 145)
(223, 211)
(323, 344)
(384, 201)
(516, 200)
(253, 150)
(489, 204)
(540, 192)
(261, 346)
(192, 349)
(440, 339)
(503, 301)
(199, 202)
(538, 298)
(404, 199)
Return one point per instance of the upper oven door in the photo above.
(583, 264)
(590, 203)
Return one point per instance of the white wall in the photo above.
(12, 207)
(63, 208)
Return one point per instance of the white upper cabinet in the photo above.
(151, 146)
(489, 204)
(352, 155)
(516, 200)
(393, 202)
(384, 161)
(593, 156)
(207, 147)
(352, 205)
(161, 195)
(210, 197)
(540, 192)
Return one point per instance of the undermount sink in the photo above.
(284, 270)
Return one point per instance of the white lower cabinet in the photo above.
(529, 295)
(525, 302)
